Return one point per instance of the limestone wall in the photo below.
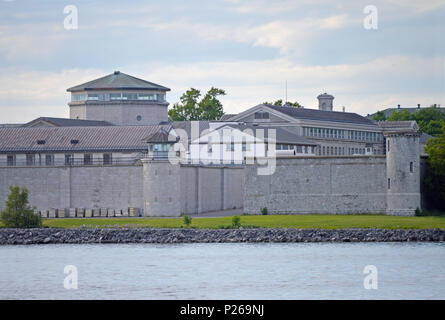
(116, 187)
(208, 188)
(318, 185)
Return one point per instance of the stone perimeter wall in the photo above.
(116, 187)
(325, 185)
(156, 189)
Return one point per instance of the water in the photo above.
(224, 271)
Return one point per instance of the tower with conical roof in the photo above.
(120, 99)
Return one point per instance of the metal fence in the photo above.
(67, 162)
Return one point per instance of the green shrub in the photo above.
(428, 213)
(18, 212)
(236, 221)
(187, 220)
(264, 211)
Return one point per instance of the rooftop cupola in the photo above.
(325, 102)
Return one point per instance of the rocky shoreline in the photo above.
(149, 235)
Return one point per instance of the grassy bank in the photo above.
(269, 221)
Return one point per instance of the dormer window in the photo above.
(261, 115)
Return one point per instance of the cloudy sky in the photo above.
(249, 48)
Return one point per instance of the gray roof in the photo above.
(118, 81)
(64, 122)
(227, 116)
(398, 125)
(187, 126)
(161, 136)
(59, 139)
(320, 115)
(284, 135)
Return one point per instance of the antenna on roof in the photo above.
(285, 101)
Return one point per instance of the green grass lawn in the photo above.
(266, 221)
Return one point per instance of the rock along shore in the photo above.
(149, 235)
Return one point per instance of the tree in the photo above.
(379, 116)
(279, 103)
(18, 213)
(400, 115)
(434, 182)
(430, 120)
(189, 108)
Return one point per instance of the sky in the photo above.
(249, 48)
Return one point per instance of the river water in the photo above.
(224, 271)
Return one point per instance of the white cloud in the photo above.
(362, 88)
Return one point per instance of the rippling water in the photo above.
(224, 271)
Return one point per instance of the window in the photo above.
(69, 159)
(299, 149)
(387, 144)
(324, 152)
(92, 96)
(129, 96)
(87, 159)
(115, 96)
(312, 149)
(108, 159)
(146, 96)
(411, 166)
(138, 118)
(78, 97)
(10, 160)
(389, 183)
(305, 149)
(49, 159)
(30, 159)
(261, 115)
(335, 150)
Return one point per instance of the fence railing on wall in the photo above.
(64, 162)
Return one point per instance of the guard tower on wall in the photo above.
(403, 172)
(120, 99)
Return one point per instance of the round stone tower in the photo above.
(161, 190)
(325, 102)
(402, 172)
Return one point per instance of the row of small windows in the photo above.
(278, 146)
(117, 96)
(298, 149)
(342, 151)
(343, 134)
(49, 160)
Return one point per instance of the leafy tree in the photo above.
(379, 116)
(189, 108)
(18, 212)
(400, 115)
(279, 103)
(434, 182)
(430, 120)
